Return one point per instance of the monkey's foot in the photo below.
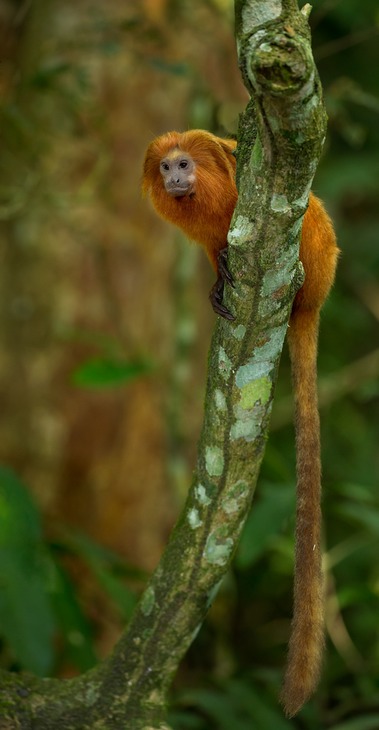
(217, 291)
(222, 266)
(215, 296)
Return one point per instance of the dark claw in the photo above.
(217, 291)
(222, 266)
(215, 296)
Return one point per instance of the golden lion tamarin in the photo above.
(190, 177)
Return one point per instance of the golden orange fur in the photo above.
(205, 217)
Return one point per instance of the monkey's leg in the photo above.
(217, 291)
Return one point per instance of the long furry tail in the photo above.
(307, 635)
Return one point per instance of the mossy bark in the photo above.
(280, 141)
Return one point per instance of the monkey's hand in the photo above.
(217, 291)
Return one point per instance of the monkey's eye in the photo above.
(183, 164)
(165, 166)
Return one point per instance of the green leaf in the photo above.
(105, 566)
(185, 721)
(123, 597)
(218, 707)
(78, 640)
(257, 707)
(26, 617)
(102, 372)
(265, 523)
(370, 722)
(365, 515)
(91, 551)
(19, 519)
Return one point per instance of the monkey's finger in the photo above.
(222, 265)
(224, 312)
(220, 308)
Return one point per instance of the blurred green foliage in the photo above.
(27, 625)
(42, 624)
(101, 372)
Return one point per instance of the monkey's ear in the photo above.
(229, 146)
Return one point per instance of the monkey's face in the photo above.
(178, 173)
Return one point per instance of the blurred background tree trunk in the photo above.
(85, 268)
